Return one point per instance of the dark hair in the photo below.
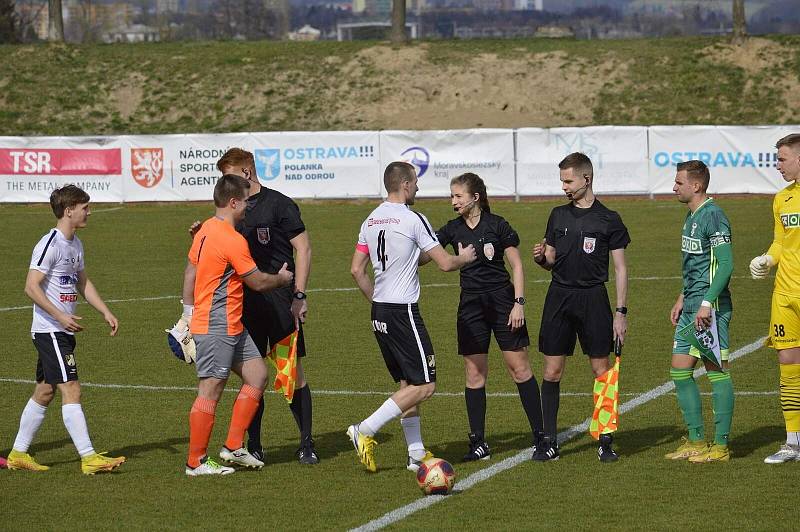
(696, 171)
(579, 162)
(792, 141)
(67, 197)
(236, 157)
(228, 187)
(475, 185)
(397, 173)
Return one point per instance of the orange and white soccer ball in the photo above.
(436, 477)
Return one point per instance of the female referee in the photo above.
(491, 301)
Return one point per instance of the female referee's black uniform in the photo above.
(487, 294)
(487, 299)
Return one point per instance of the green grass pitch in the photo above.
(135, 256)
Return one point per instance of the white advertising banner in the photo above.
(332, 164)
(440, 156)
(618, 154)
(32, 167)
(175, 167)
(742, 159)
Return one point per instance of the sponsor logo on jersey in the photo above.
(381, 221)
(68, 297)
(717, 239)
(68, 279)
(589, 244)
(790, 220)
(147, 166)
(488, 250)
(263, 235)
(691, 245)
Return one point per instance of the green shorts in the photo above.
(682, 347)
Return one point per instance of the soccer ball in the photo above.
(436, 477)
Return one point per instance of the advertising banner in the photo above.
(332, 164)
(440, 156)
(618, 154)
(32, 167)
(742, 159)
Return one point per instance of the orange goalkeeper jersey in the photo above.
(222, 259)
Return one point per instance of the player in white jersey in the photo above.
(55, 278)
(396, 240)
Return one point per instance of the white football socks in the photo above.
(793, 438)
(29, 423)
(387, 412)
(75, 422)
(413, 433)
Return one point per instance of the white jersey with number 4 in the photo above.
(394, 236)
(59, 260)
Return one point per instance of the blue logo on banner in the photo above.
(268, 163)
(419, 157)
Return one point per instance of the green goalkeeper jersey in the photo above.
(707, 258)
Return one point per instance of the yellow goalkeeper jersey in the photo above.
(785, 248)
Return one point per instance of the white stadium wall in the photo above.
(349, 164)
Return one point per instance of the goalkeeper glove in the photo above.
(759, 266)
(181, 342)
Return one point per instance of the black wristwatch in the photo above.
(300, 295)
(623, 310)
(520, 300)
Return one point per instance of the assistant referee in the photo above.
(576, 247)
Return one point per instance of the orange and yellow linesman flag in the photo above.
(283, 356)
(606, 399)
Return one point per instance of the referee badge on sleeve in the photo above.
(588, 244)
(488, 250)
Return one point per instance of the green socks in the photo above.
(722, 400)
(689, 401)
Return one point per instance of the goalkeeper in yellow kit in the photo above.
(785, 315)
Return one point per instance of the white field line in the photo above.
(152, 388)
(524, 455)
(346, 289)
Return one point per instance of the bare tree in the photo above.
(398, 33)
(739, 23)
(55, 30)
(9, 23)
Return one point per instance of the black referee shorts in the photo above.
(56, 363)
(268, 318)
(481, 314)
(404, 342)
(584, 312)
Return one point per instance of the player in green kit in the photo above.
(707, 269)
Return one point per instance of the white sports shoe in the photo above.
(240, 456)
(787, 453)
(208, 467)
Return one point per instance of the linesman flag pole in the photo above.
(606, 398)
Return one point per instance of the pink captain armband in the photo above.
(363, 248)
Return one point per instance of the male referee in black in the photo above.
(275, 234)
(575, 249)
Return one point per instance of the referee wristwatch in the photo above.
(623, 310)
(300, 295)
(520, 300)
